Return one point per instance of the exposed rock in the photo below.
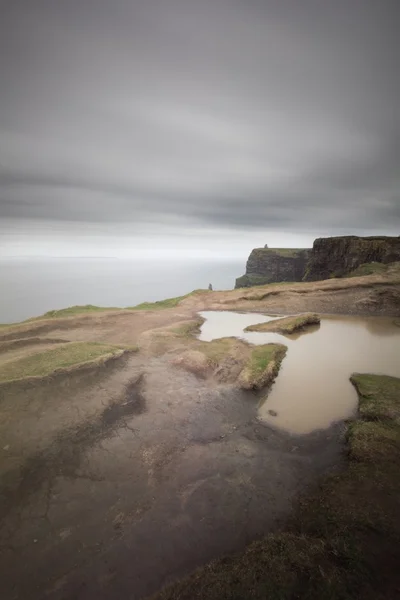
(338, 256)
(271, 265)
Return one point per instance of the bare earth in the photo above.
(119, 477)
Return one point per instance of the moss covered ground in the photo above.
(166, 303)
(287, 325)
(63, 356)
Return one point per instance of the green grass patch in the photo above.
(167, 303)
(374, 441)
(71, 311)
(218, 349)
(159, 304)
(287, 325)
(379, 396)
(343, 540)
(285, 252)
(189, 328)
(66, 355)
(262, 366)
(262, 356)
(373, 268)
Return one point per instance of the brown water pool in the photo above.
(313, 390)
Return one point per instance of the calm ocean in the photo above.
(32, 286)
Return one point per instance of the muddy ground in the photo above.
(119, 478)
(127, 482)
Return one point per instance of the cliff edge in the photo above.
(329, 257)
(338, 256)
(274, 265)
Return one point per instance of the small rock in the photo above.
(273, 413)
(6, 447)
(221, 436)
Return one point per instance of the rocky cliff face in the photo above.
(337, 256)
(329, 257)
(269, 265)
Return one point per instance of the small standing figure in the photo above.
(210, 287)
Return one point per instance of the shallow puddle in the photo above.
(313, 390)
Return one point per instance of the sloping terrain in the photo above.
(129, 447)
(344, 539)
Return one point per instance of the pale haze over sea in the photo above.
(31, 286)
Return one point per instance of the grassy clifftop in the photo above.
(285, 252)
(338, 256)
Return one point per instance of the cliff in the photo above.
(329, 257)
(338, 256)
(271, 265)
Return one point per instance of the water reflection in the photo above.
(313, 390)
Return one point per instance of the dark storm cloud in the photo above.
(221, 112)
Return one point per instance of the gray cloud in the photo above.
(276, 114)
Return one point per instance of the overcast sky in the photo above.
(209, 126)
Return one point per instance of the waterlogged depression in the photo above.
(313, 390)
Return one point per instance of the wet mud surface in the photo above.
(114, 484)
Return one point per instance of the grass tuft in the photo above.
(287, 325)
(71, 311)
(189, 328)
(377, 394)
(65, 355)
(167, 303)
(262, 366)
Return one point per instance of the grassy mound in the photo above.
(71, 311)
(229, 359)
(343, 542)
(167, 303)
(66, 355)
(263, 366)
(287, 325)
